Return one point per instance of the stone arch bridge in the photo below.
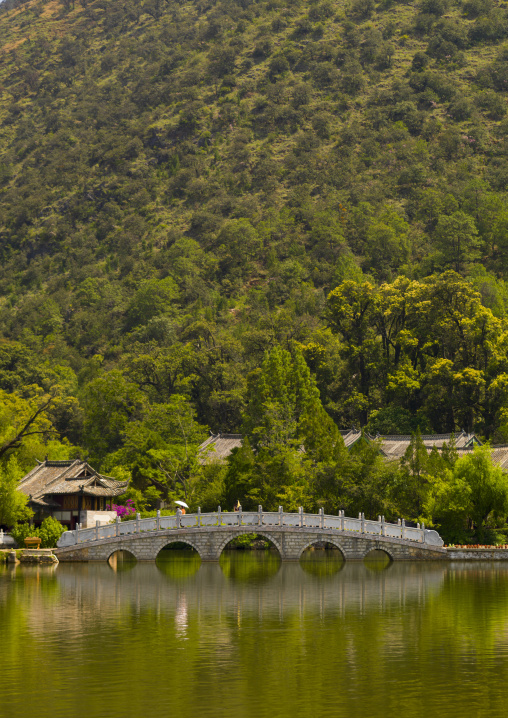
(290, 533)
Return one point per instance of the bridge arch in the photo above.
(328, 539)
(121, 550)
(379, 548)
(178, 539)
(263, 534)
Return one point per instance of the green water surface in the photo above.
(253, 637)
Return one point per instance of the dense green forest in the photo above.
(196, 197)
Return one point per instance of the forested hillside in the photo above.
(182, 185)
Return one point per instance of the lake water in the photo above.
(252, 637)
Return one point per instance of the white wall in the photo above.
(87, 519)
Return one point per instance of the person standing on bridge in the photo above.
(182, 506)
(237, 506)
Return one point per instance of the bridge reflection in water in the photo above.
(250, 581)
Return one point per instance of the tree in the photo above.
(26, 429)
(360, 480)
(284, 408)
(151, 299)
(413, 479)
(289, 436)
(470, 499)
(13, 503)
(350, 311)
(110, 402)
(457, 238)
(35, 423)
(160, 450)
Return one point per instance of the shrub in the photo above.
(490, 28)
(460, 109)
(278, 66)
(492, 104)
(263, 48)
(362, 9)
(433, 7)
(49, 532)
(124, 511)
(474, 8)
(321, 12)
(420, 61)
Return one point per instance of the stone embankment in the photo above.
(29, 555)
(485, 553)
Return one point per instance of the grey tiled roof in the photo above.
(67, 477)
(499, 454)
(350, 436)
(218, 447)
(395, 446)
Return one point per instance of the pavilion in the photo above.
(72, 492)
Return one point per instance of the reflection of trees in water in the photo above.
(178, 563)
(322, 562)
(254, 567)
(377, 560)
(249, 583)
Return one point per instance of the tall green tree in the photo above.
(13, 504)
(413, 480)
(470, 499)
(457, 239)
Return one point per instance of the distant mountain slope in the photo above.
(192, 175)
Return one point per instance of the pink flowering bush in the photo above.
(123, 511)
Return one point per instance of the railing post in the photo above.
(138, 516)
(97, 524)
(178, 516)
(260, 515)
(403, 529)
(342, 522)
(158, 520)
(300, 511)
(321, 518)
(117, 525)
(76, 533)
(362, 516)
(239, 515)
(423, 533)
(383, 530)
(219, 519)
(199, 516)
(281, 516)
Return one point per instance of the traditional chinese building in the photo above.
(70, 491)
(218, 447)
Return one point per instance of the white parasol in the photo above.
(182, 503)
